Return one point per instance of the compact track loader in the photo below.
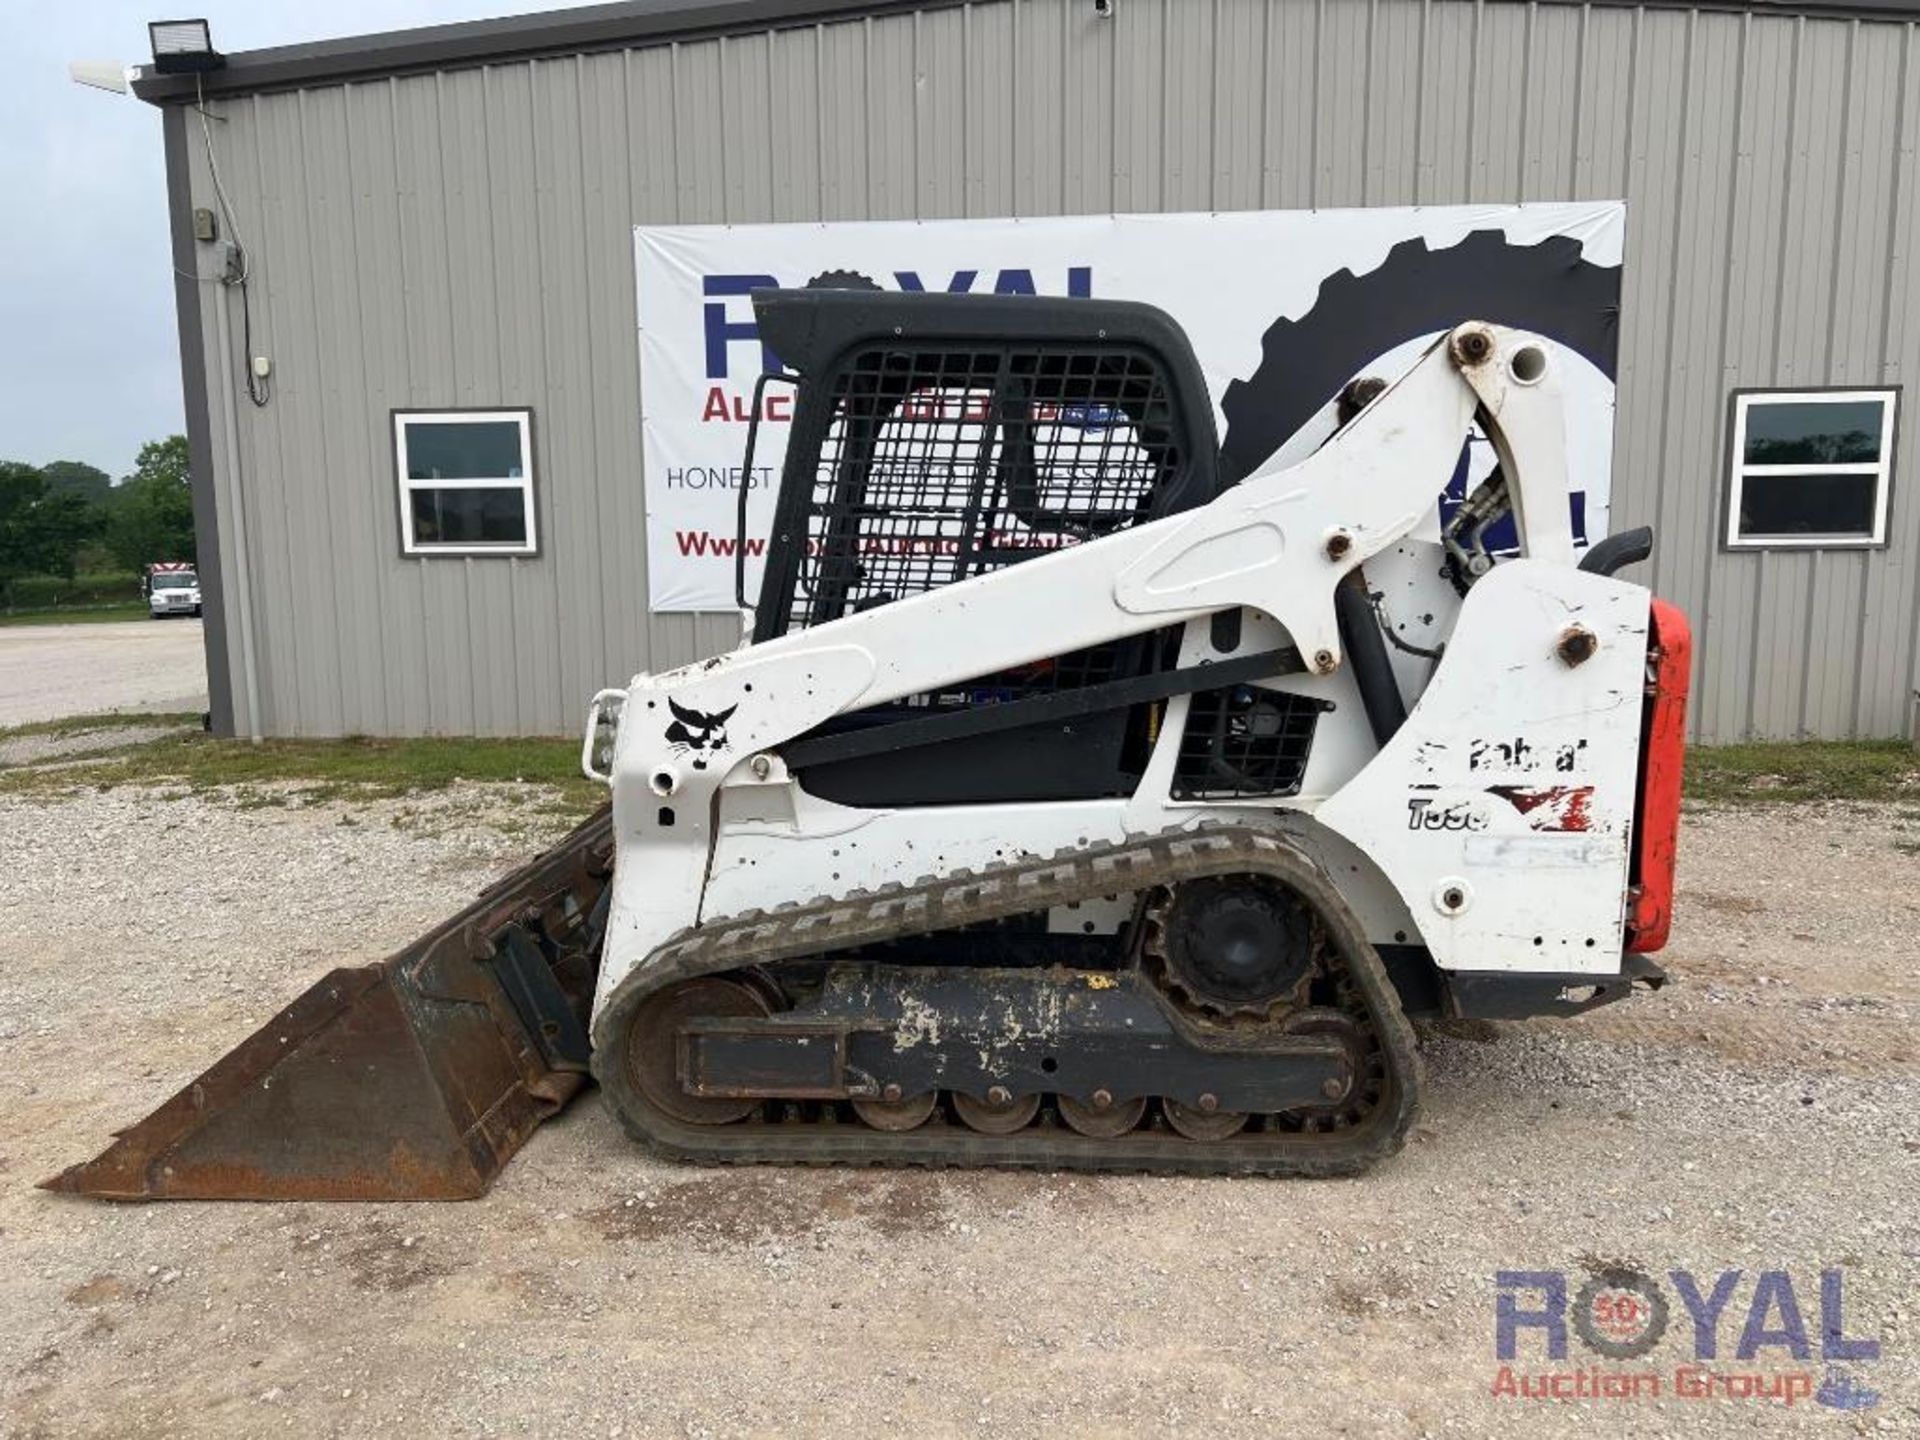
(1071, 803)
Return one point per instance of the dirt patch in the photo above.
(1609, 1264)
(98, 1291)
(1359, 1297)
(1725, 904)
(742, 1208)
(1474, 1032)
(385, 1259)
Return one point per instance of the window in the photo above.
(1811, 468)
(466, 482)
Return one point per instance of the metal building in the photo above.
(442, 219)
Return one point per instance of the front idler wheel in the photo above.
(652, 1060)
(1348, 1106)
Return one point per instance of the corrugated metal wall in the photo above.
(463, 238)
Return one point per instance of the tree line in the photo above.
(69, 518)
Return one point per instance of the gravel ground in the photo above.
(38, 747)
(1758, 1114)
(47, 671)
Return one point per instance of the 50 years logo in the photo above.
(1621, 1314)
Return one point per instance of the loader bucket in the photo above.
(413, 1079)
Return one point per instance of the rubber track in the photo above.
(822, 927)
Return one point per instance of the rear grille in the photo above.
(1245, 741)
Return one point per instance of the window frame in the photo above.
(1740, 402)
(413, 549)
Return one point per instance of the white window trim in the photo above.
(1888, 399)
(522, 482)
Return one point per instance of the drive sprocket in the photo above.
(1233, 945)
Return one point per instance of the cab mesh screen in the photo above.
(941, 464)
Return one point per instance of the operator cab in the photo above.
(941, 437)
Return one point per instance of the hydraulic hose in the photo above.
(1366, 649)
(1616, 552)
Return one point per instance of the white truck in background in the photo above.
(172, 588)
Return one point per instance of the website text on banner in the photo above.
(1283, 308)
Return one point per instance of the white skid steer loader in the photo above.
(1066, 806)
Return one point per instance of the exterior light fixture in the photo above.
(183, 47)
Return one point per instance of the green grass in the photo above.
(277, 772)
(379, 767)
(74, 615)
(99, 720)
(1780, 772)
(52, 592)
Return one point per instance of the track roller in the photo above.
(1197, 1124)
(898, 1115)
(1101, 1121)
(1001, 1113)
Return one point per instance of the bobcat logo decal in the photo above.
(697, 733)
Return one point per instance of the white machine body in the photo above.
(1493, 828)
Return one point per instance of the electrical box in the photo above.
(206, 229)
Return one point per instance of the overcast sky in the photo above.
(89, 357)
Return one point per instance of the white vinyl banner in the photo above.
(1283, 308)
